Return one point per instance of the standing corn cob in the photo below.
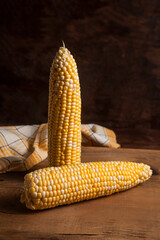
(64, 112)
(50, 187)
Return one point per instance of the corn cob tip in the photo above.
(50, 187)
(63, 44)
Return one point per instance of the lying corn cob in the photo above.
(50, 187)
(64, 111)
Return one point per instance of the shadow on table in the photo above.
(10, 202)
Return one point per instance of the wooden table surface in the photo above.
(133, 214)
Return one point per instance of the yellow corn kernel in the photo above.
(64, 111)
(66, 189)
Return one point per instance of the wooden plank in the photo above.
(138, 138)
(150, 157)
(121, 216)
(133, 214)
(116, 45)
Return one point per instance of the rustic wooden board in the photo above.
(117, 48)
(138, 138)
(133, 214)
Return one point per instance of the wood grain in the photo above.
(117, 48)
(138, 138)
(133, 214)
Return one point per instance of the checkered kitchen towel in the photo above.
(22, 147)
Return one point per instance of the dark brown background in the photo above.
(117, 48)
